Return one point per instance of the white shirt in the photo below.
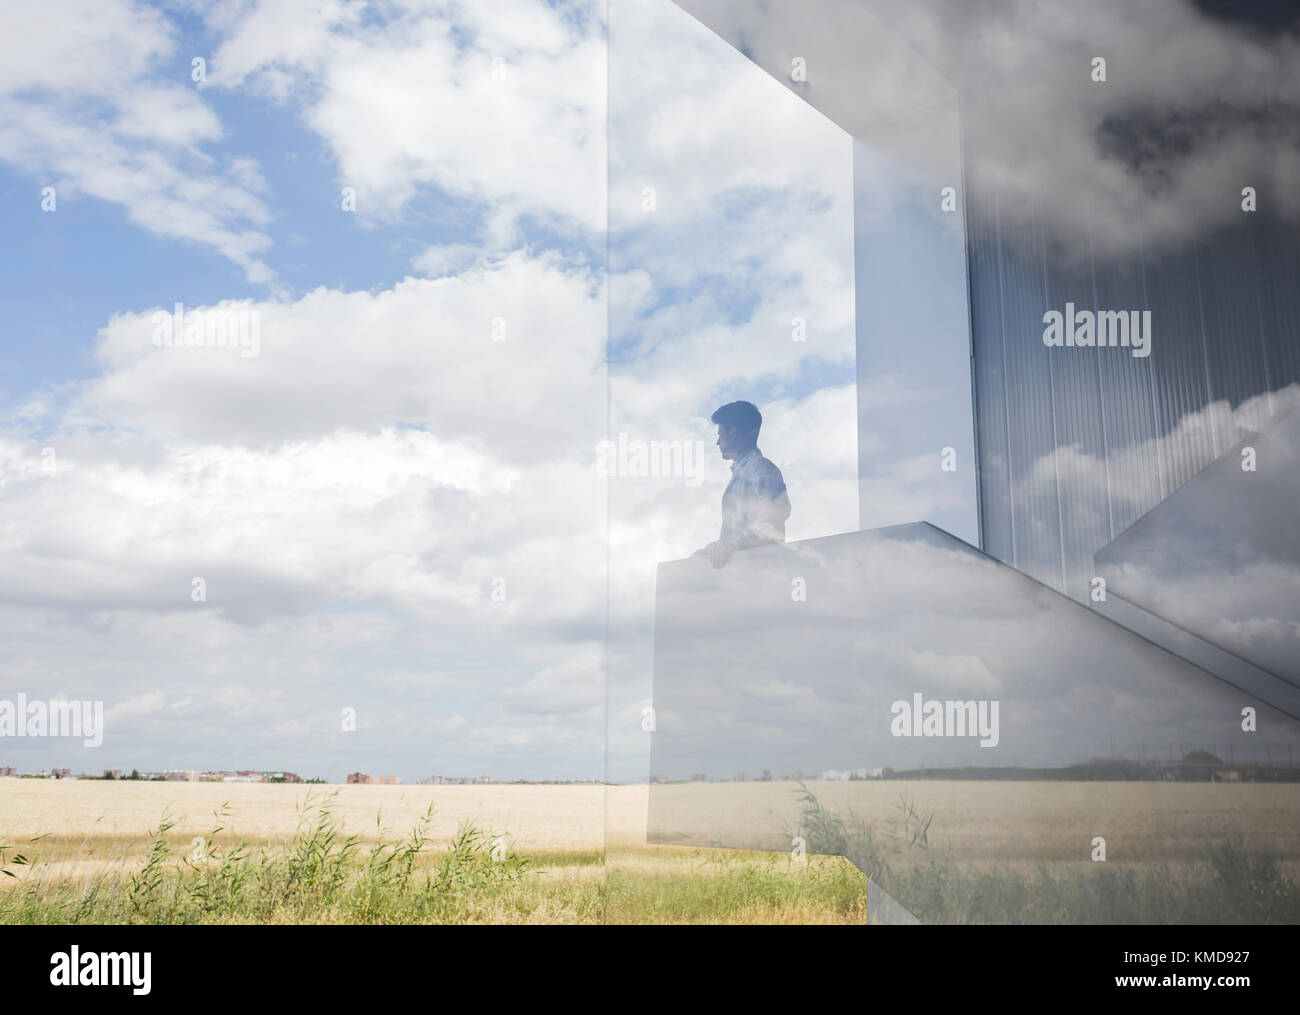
(755, 504)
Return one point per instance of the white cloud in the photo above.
(423, 351)
(415, 100)
(82, 109)
(1191, 110)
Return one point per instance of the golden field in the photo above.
(993, 819)
(98, 837)
(583, 856)
(1006, 822)
(104, 815)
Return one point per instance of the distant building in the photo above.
(8, 771)
(190, 775)
(61, 773)
(484, 779)
(360, 779)
(170, 775)
(387, 780)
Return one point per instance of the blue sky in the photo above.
(92, 248)
(353, 495)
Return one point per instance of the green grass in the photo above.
(325, 876)
(724, 886)
(321, 876)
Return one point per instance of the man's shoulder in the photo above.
(762, 462)
(764, 470)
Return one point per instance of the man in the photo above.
(755, 504)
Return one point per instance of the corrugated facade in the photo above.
(1076, 444)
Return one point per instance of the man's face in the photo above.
(728, 443)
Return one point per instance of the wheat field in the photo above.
(209, 852)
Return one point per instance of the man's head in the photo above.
(738, 426)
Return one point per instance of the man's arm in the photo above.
(767, 508)
(768, 525)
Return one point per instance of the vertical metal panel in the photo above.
(997, 528)
(1134, 450)
(1079, 421)
(1278, 271)
(1178, 359)
(1077, 444)
(1035, 496)
(1229, 287)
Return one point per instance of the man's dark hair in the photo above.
(744, 416)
